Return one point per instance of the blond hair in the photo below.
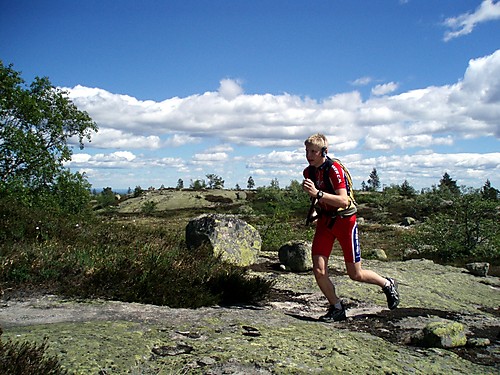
(319, 140)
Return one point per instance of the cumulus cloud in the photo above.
(467, 108)
(420, 119)
(230, 89)
(385, 88)
(362, 81)
(465, 23)
(116, 138)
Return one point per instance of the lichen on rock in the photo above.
(231, 238)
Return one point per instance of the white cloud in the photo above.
(362, 81)
(385, 88)
(420, 119)
(230, 89)
(178, 140)
(210, 157)
(468, 108)
(116, 138)
(465, 23)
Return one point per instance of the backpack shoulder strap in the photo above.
(326, 176)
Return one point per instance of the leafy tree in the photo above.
(275, 184)
(107, 197)
(250, 183)
(37, 123)
(448, 186)
(180, 184)
(214, 181)
(467, 230)
(373, 181)
(488, 192)
(197, 184)
(406, 190)
(137, 191)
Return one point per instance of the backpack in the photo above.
(349, 210)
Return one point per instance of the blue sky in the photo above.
(182, 89)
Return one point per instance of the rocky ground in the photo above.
(281, 336)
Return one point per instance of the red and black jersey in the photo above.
(335, 173)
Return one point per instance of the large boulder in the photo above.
(296, 256)
(233, 239)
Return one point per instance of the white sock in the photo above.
(387, 283)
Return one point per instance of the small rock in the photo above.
(444, 334)
(296, 256)
(251, 331)
(407, 221)
(478, 269)
(178, 349)
(206, 361)
(378, 254)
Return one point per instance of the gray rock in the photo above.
(443, 334)
(233, 239)
(378, 254)
(295, 256)
(407, 221)
(411, 253)
(478, 269)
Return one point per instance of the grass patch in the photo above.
(146, 263)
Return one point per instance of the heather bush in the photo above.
(21, 358)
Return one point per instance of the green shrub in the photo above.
(148, 207)
(465, 229)
(151, 266)
(27, 358)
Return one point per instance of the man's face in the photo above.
(314, 156)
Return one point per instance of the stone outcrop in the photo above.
(295, 256)
(233, 239)
(478, 268)
(281, 336)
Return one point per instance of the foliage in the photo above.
(466, 228)
(148, 207)
(280, 209)
(180, 184)
(37, 124)
(488, 192)
(103, 259)
(137, 191)
(107, 198)
(215, 182)
(250, 183)
(197, 185)
(373, 181)
(19, 358)
(448, 186)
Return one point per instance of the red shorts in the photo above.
(345, 230)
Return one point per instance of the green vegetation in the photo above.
(50, 238)
(27, 358)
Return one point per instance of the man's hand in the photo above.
(309, 187)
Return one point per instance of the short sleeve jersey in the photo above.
(336, 174)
